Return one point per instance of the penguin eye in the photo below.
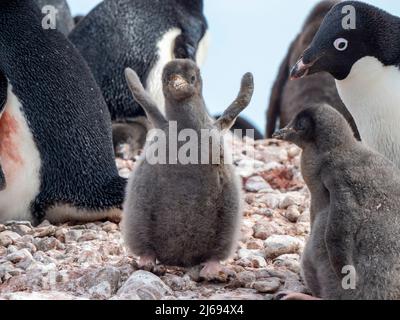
(193, 79)
(341, 44)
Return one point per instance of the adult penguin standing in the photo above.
(55, 136)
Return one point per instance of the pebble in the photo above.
(263, 230)
(255, 244)
(145, 286)
(257, 184)
(293, 199)
(20, 255)
(292, 213)
(270, 285)
(289, 261)
(8, 237)
(278, 245)
(246, 279)
(47, 243)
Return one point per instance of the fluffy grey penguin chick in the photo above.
(184, 215)
(355, 205)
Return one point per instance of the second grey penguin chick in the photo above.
(290, 97)
(355, 205)
(184, 214)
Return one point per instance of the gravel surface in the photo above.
(90, 261)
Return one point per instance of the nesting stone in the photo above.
(278, 245)
(270, 285)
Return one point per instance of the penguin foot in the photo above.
(215, 271)
(290, 296)
(147, 263)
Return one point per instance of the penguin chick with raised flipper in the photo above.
(355, 205)
(184, 214)
(144, 35)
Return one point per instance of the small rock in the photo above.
(265, 212)
(238, 294)
(2, 227)
(293, 199)
(8, 237)
(45, 230)
(21, 229)
(177, 283)
(271, 200)
(3, 251)
(290, 261)
(88, 236)
(257, 184)
(278, 245)
(270, 285)
(294, 152)
(90, 257)
(73, 235)
(109, 227)
(145, 286)
(125, 173)
(255, 244)
(292, 214)
(20, 255)
(46, 244)
(246, 279)
(263, 230)
(60, 234)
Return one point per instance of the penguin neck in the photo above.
(189, 114)
(371, 94)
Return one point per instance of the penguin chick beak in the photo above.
(283, 134)
(300, 69)
(178, 82)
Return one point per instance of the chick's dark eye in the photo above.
(193, 79)
(301, 124)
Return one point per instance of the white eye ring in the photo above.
(341, 44)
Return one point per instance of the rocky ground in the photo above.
(90, 262)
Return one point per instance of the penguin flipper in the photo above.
(143, 98)
(230, 115)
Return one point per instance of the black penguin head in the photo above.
(300, 130)
(181, 80)
(350, 31)
(320, 125)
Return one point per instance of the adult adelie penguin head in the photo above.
(351, 31)
(360, 46)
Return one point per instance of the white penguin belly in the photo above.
(371, 93)
(165, 54)
(20, 161)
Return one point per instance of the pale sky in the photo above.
(247, 35)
